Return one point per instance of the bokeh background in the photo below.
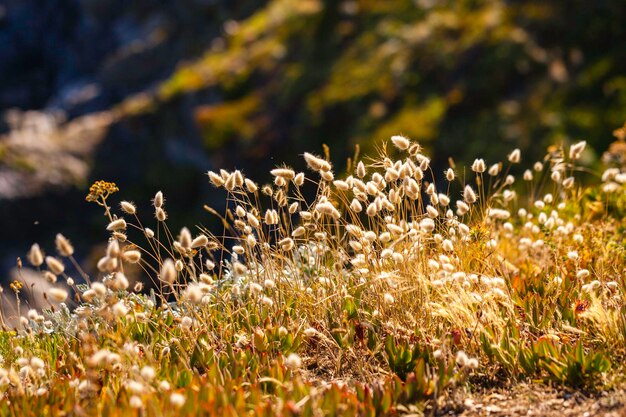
(151, 94)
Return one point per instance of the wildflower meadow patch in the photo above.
(385, 290)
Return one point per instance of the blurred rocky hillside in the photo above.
(151, 93)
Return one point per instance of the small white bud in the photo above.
(119, 309)
(135, 402)
(293, 361)
(388, 299)
(148, 373)
(528, 175)
(177, 400)
(461, 358)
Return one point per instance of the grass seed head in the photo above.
(316, 163)
(576, 150)
(160, 214)
(117, 225)
(515, 156)
(215, 179)
(479, 166)
(168, 273)
(400, 142)
(494, 169)
(469, 195)
(132, 256)
(54, 265)
(63, 245)
(57, 294)
(128, 207)
(35, 255)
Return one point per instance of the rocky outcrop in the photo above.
(42, 150)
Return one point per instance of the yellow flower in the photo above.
(16, 286)
(101, 190)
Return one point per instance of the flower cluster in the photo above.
(101, 190)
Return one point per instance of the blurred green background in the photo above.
(152, 93)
